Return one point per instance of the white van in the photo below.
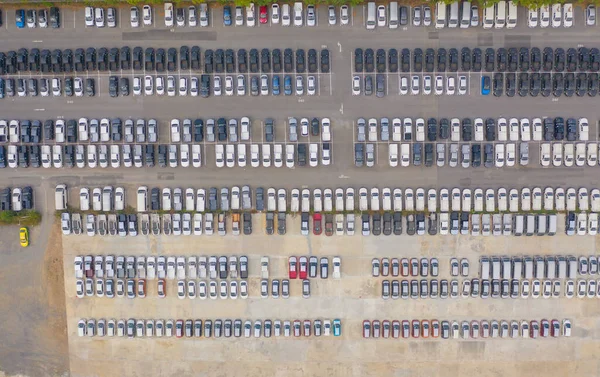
(107, 194)
(488, 17)
(530, 230)
(572, 266)
(440, 15)
(542, 225)
(485, 268)
(500, 20)
(519, 225)
(517, 268)
(496, 268)
(393, 23)
(550, 267)
(540, 267)
(506, 268)
(142, 199)
(551, 225)
(465, 20)
(512, 15)
(60, 197)
(453, 20)
(371, 15)
(528, 261)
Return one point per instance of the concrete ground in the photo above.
(32, 332)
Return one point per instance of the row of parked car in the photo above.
(466, 330)
(160, 60)
(16, 199)
(538, 267)
(569, 154)
(512, 59)
(229, 155)
(197, 328)
(41, 18)
(415, 267)
(478, 129)
(546, 84)
(56, 86)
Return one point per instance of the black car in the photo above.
(429, 60)
(441, 60)
(359, 154)
(393, 60)
(325, 61)
(25, 131)
(124, 58)
(417, 154)
(558, 84)
(155, 199)
(453, 60)
(276, 57)
(380, 60)
(48, 130)
(36, 131)
(569, 84)
(162, 155)
(417, 60)
(571, 129)
(546, 87)
(198, 130)
(428, 154)
(559, 128)
(431, 129)
(90, 87)
(314, 127)
(358, 60)
(368, 85)
(476, 155)
(5, 201)
(444, 131)
(501, 59)
(405, 60)
(488, 156)
(137, 58)
(265, 61)
(222, 129)
(498, 84)
(467, 129)
(410, 225)
(160, 60)
(369, 60)
(397, 223)
(432, 224)
(27, 197)
(149, 155)
(184, 57)
(490, 129)
(172, 60)
(67, 60)
(523, 84)
(56, 61)
(288, 60)
(511, 84)
(208, 61)
(195, 58)
(387, 223)
(571, 60)
(476, 61)
(465, 59)
(592, 83)
(54, 17)
(71, 131)
(594, 60)
(69, 155)
(547, 59)
(204, 86)
(376, 224)
(102, 59)
(548, 129)
(124, 86)
(534, 84)
(581, 84)
(34, 155)
(33, 60)
(219, 60)
(22, 61)
(270, 130)
(489, 60)
(149, 59)
(113, 59)
(524, 59)
(536, 59)
(380, 80)
(513, 60)
(559, 60)
(300, 62)
(113, 86)
(301, 155)
(115, 129)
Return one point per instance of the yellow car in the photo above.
(24, 237)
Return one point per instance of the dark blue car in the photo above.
(20, 18)
(275, 85)
(287, 85)
(227, 15)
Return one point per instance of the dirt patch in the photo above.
(33, 335)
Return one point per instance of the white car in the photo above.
(403, 85)
(439, 85)
(568, 15)
(415, 85)
(463, 85)
(266, 155)
(134, 17)
(313, 150)
(220, 155)
(450, 85)
(427, 84)
(275, 14)
(502, 129)
(356, 85)
(148, 85)
(175, 131)
(532, 19)
(381, 17)
(500, 155)
(171, 86)
(556, 15)
(229, 155)
(583, 129)
(147, 15)
(344, 15)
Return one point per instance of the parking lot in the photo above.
(357, 295)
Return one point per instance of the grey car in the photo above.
(384, 125)
(453, 158)
(466, 156)
(360, 130)
(441, 154)
(210, 130)
(370, 155)
(225, 199)
(293, 126)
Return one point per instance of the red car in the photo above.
(179, 328)
(317, 220)
(425, 327)
(416, 328)
(435, 328)
(263, 14)
(292, 267)
(303, 267)
(366, 329)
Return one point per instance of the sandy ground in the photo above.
(33, 337)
